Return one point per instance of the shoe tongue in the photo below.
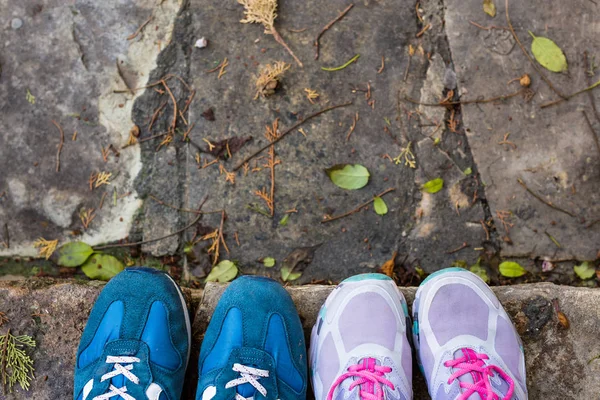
(129, 348)
(473, 376)
(246, 390)
(249, 358)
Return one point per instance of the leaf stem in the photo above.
(359, 207)
(353, 59)
(284, 134)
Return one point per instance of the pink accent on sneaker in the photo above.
(474, 363)
(370, 378)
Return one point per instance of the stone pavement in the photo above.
(81, 63)
(558, 359)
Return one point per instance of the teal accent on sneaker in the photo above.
(254, 330)
(140, 322)
(405, 309)
(365, 277)
(441, 272)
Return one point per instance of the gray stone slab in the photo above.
(65, 55)
(556, 155)
(557, 359)
(419, 225)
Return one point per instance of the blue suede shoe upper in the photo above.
(255, 325)
(139, 323)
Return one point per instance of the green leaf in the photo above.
(511, 269)
(468, 171)
(433, 186)
(584, 271)
(30, 98)
(102, 266)
(284, 220)
(489, 8)
(548, 54)
(268, 262)
(380, 206)
(288, 275)
(348, 176)
(480, 271)
(224, 271)
(74, 254)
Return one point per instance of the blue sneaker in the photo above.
(254, 345)
(136, 342)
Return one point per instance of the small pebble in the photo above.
(201, 43)
(16, 23)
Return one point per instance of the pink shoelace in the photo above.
(473, 363)
(370, 377)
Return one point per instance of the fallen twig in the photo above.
(297, 30)
(508, 142)
(187, 133)
(116, 245)
(159, 82)
(463, 246)
(285, 133)
(218, 66)
(380, 70)
(148, 138)
(326, 28)
(589, 66)
(111, 246)
(570, 96)
(162, 203)
(102, 201)
(425, 29)
(60, 144)
(139, 30)
(357, 209)
(355, 120)
(533, 63)
(174, 122)
(221, 231)
(487, 232)
(488, 28)
(410, 56)
(592, 131)
(271, 134)
(418, 3)
(222, 70)
(155, 115)
(546, 202)
(454, 103)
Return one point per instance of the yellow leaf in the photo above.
(489, 7)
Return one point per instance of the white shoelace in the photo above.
(248, 375)
(119, 369)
